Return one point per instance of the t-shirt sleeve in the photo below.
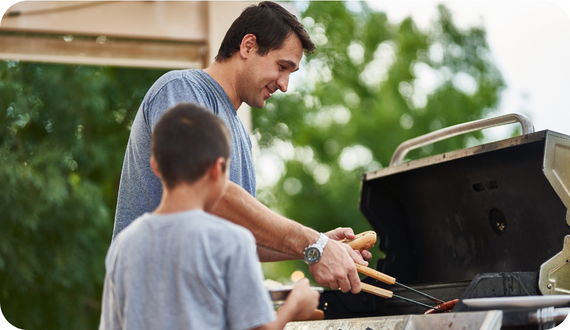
(170, 90)
(110, 318)
(248, 304)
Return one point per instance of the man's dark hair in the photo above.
(270, 23)
(186, 142)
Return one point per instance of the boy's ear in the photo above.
(248, 45)
(154, 166)
(218, 169)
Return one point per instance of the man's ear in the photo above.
(154, 166)
(248, 45)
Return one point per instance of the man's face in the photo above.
(264, 75)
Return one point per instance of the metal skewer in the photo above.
(416, 302)
(439, 301)
(389, 294)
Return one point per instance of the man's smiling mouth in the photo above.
(269, 91)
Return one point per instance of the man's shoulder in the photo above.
(191, 85)
(176, 76)
(192, 76)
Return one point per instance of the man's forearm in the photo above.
(269, 228)
(268, 255)
(336, 268)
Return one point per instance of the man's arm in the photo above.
(336, 268)
(269, 228)
(268, 255)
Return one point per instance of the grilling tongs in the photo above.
(365, 241)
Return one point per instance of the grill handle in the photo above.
(448, 132)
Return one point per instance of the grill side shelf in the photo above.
(557, 167)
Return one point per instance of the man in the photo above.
(259, 52)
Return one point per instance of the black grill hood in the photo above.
(498, 207)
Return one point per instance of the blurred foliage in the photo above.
(64, 129)
(370, 86)
(63, 132)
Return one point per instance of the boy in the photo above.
(183, 268)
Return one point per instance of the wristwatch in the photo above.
(314, 252)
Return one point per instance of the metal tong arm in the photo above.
(445, 133)
(388, 294)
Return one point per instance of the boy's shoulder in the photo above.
(220, 229)
(208, 221)
(185, 224)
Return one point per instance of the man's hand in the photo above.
(336, 268)
(342, 233)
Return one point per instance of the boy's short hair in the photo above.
(270, 23)
(186, 142)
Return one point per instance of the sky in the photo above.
(530, 44)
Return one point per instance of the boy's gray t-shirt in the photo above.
(188, 270)
(139, 189)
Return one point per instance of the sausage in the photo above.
(363, 241)
(446, 307)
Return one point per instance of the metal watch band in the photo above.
(321, 242)
(319, 245)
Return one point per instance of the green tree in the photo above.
(63, 132)
(370, 86)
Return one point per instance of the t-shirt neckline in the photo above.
(217, 85)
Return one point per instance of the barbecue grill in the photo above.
(486, 221)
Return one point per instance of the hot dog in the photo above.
(363, 241)
(445, 307)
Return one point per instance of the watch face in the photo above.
(312, 255)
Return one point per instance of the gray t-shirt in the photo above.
(140, 190)
(187, 270)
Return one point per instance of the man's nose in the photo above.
(283, 82)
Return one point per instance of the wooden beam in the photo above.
(102, 51)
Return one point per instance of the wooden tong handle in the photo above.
(376, 290)
(365, 241)
(375, 274)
